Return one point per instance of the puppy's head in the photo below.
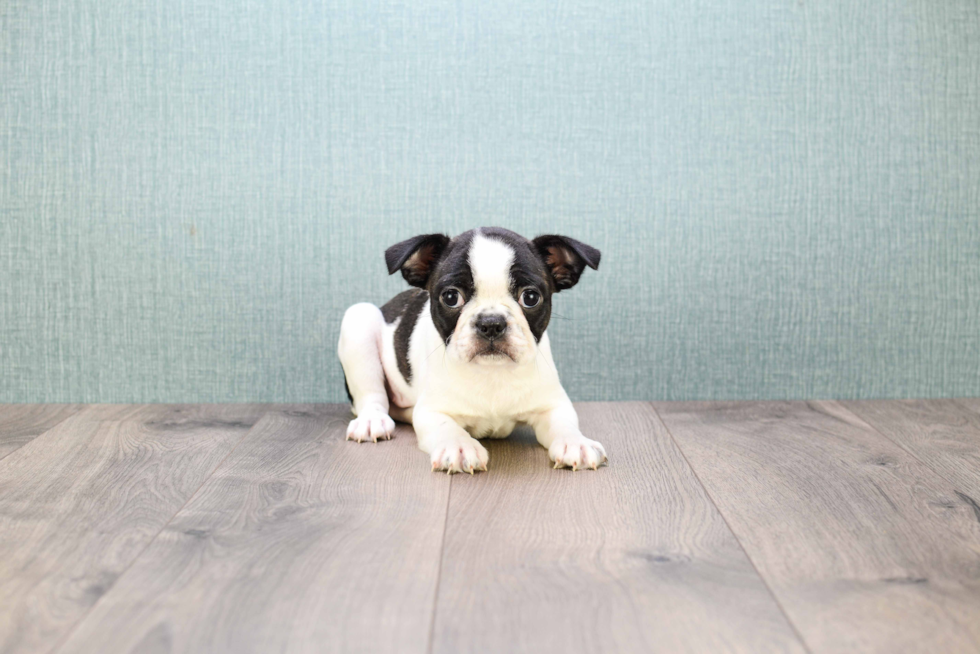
(490, 289)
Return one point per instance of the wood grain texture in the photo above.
(866, 548)
(971, 403)
(82, 500)
(943, 434)
(299, 542)
(22, 423)
(633, 557)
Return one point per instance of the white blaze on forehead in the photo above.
(490, 262)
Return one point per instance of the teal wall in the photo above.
(786, 194)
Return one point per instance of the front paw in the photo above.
(371, 425)
(577, 452)
(459, 454)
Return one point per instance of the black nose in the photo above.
(491, 326)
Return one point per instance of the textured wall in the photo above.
(786, 194)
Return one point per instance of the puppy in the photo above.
(465, 354)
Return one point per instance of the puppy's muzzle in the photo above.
(490, 327)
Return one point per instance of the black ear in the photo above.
(566, 258)
(416, 257)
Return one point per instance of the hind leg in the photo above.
(360, 355)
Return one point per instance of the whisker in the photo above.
(537, 354)
(432, 352)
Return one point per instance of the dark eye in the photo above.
(530, 298)
(452, 298)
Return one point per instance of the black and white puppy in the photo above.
(465, 355)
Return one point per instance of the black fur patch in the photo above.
(451, 271)
(403, 333)
(395, 307)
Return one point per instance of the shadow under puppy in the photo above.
(465, 355)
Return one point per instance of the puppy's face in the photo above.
(490, 289)
(490, 297)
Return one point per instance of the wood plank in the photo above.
(943, 434)
(299, 542)
(866, 548)
(971, 403)
(82, 500)
(22, 423)
(632, 557)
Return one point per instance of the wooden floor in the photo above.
(754, 527)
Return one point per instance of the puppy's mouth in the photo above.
(493, 351)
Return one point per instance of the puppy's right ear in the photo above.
(416, 257)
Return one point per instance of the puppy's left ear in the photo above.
(566, 258)
(416, 257)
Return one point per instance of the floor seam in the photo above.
(442, 553)
(967, 499)
(60, 422)
(64, 639)
(731, 530)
